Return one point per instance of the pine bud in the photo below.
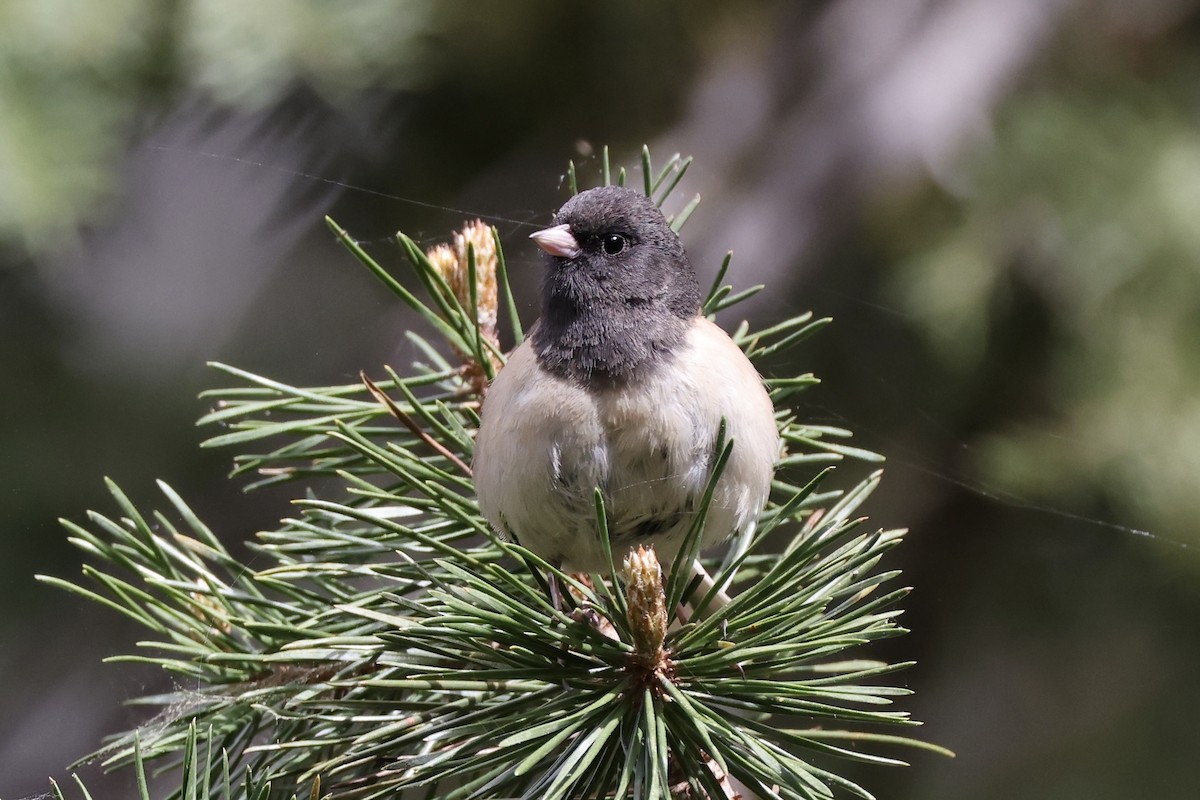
(647, 604)
(452, 263)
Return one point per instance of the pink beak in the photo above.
(557, 241)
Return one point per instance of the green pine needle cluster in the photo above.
(382, 639)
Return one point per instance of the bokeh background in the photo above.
(997, 200)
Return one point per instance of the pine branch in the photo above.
(392, 642)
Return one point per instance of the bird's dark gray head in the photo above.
(619, 292)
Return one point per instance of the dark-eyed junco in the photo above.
(620, 385)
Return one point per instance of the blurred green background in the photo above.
(998, 201)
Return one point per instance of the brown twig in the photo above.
(412, 425)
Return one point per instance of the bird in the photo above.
(622, 385)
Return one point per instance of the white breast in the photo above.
(545, 444)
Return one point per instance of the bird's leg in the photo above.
(556, 600)
(705, 585)
(556, 593)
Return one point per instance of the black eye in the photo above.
(614, 243)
